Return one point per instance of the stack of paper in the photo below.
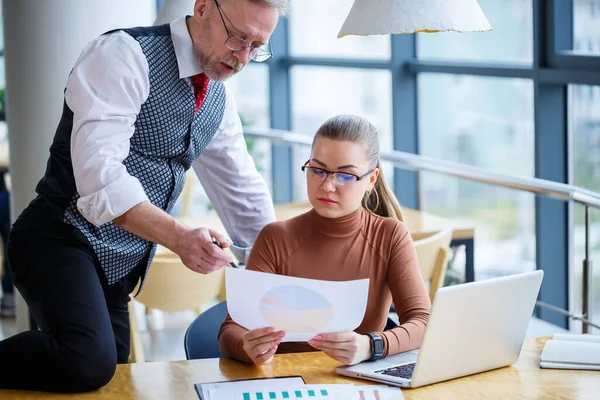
(292, 389)
(571, 351)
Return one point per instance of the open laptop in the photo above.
(473, 327)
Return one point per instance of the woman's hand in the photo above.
(261, 344)
(347, 347)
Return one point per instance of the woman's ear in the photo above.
(373, 179)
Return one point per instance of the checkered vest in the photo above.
(167, 139)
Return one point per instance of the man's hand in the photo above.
(348, 347)
(193, 246)
(198, 252)
(261, 344)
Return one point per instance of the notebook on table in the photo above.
(571, 351)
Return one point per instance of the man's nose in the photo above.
(243, 56)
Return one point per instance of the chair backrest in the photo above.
(433, 252)
(170, 286)
(201, 336)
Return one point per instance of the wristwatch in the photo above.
(376, 346)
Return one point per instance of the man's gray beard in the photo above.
(209, 69)
(207, 66)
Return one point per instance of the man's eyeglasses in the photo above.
(339, 178)
(236, 43)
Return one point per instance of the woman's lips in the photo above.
(326, 200)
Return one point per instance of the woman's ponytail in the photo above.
(381, 200)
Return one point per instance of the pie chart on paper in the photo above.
(295, 309)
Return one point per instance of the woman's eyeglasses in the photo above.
(339, 178)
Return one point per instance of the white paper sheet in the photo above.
(296, 392)
(300, 307)
(290, 392)
(247, 385)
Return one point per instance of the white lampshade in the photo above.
(381, 17)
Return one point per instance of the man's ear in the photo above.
(201, 7)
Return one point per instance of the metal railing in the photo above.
(537, 186)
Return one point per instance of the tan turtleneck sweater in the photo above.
(356, 246)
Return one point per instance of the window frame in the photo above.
(554, 67)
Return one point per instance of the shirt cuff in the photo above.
(241, 253)
(112, 201)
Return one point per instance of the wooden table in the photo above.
(175, 380)
(419, 223)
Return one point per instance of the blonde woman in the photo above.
(354, 231)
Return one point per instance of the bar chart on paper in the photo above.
(288, 394)
(275, 394)
(332, 392)
(292, 388)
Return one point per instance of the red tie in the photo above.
(200, 83)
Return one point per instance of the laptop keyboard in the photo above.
(401, 371)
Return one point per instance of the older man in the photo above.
(142, 106)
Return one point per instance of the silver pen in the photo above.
(216, 242)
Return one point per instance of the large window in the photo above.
(488, 123)
(510, 41)
(586, 26)
(585, 142)
(515, 101)
(314, 26)
(501, 100)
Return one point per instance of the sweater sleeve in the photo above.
(409, 294)
(262, 258)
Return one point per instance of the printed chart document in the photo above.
(324, 391)
(290, 392)
(212, 390)
(571, 351)
(300, 307)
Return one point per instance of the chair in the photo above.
(201, 336)
(170, 286)
(433, 253)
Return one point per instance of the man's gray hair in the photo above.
(281, 5)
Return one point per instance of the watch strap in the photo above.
(375, 340)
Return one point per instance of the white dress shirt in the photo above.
(106, 89)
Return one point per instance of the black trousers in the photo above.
(83, 321)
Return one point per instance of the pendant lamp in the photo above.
(381, 17)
